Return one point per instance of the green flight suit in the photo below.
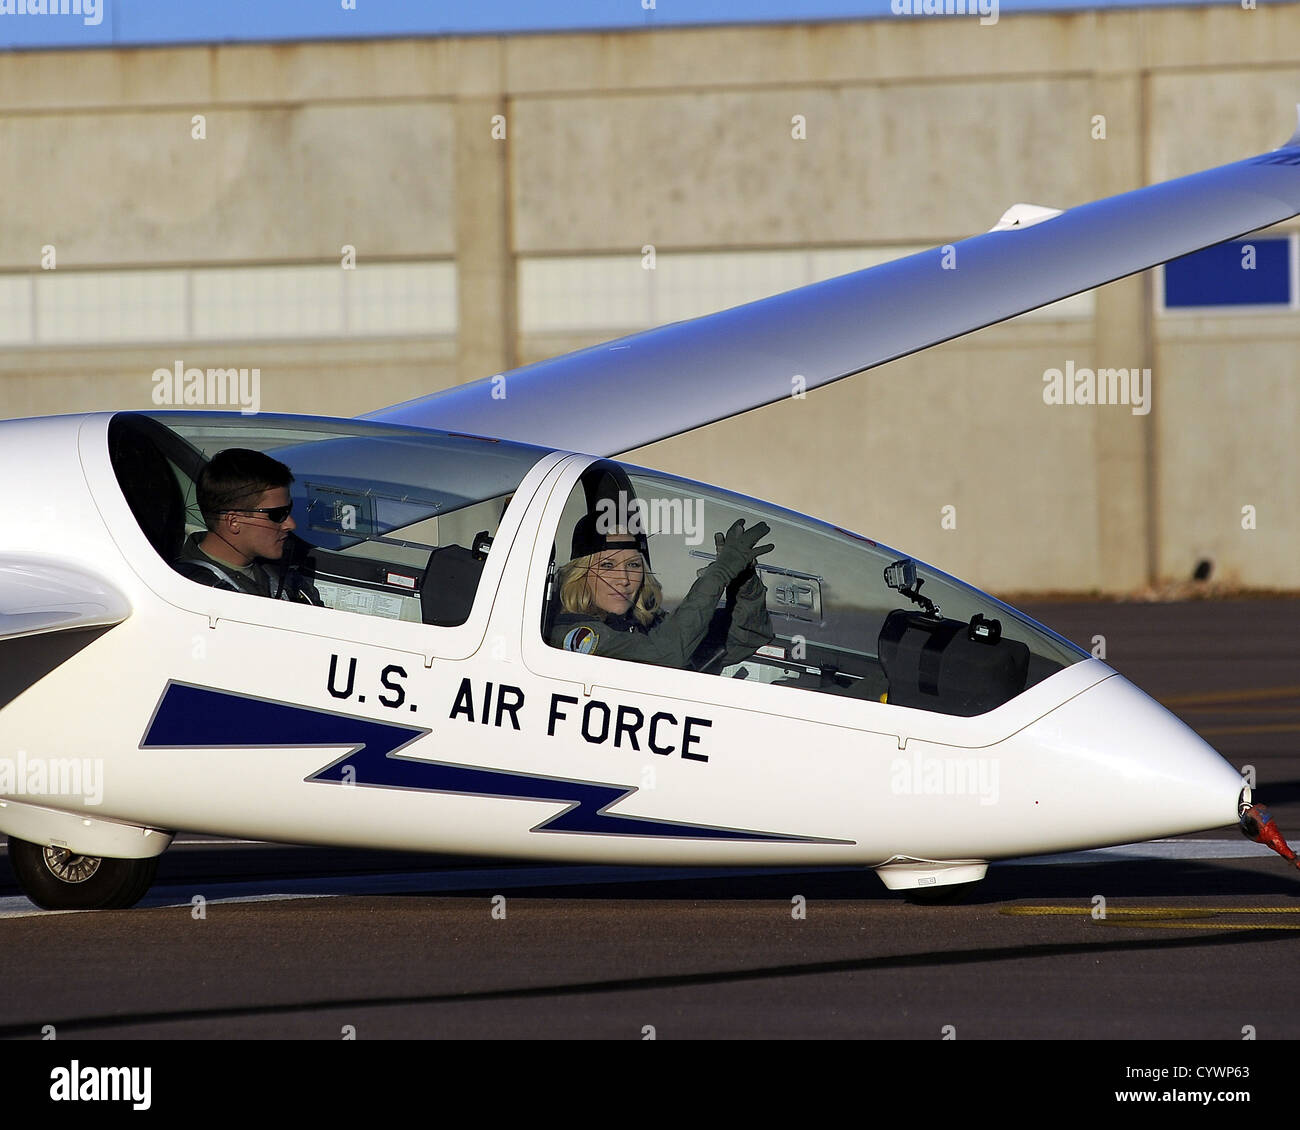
(259, 578)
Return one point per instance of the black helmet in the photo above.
(589, 538)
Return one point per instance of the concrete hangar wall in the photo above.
(751, 159)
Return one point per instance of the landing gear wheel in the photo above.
(55, 878)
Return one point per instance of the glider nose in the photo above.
(1140, 771)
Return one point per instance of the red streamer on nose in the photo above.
(1257, 824)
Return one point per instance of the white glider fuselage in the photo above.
(434, 693)
(218, 712)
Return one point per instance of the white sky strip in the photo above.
(59, 308)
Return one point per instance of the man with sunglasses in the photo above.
(244, 498)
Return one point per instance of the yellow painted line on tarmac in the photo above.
(1161, 911)
(1204, 925)
(1163, 917)
(1200, 698)
(1237, 702)
(1274, 728)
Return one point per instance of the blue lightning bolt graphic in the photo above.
(192, 717)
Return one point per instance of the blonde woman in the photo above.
(612, 605)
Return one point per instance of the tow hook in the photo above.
(1257, 824)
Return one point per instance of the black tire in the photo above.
(57, 879)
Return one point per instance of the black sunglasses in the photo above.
(275, 514)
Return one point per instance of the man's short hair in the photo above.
(235, 479)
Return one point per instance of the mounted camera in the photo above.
(901, 576)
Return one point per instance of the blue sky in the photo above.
(102, 23)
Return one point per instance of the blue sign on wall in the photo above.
(128, 23)
(1241, 272)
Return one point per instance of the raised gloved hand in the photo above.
(738, 550)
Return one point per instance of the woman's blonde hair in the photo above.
(575, 594)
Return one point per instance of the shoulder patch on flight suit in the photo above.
(581, 639)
